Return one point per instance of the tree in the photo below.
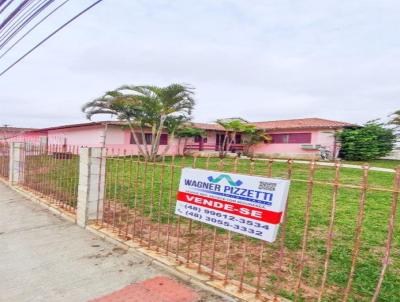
(146, 107)
(395, 119)
(186, 133)
(253, 137)
(232, 127)
(174, 126)
(366, 143)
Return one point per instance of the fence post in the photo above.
(17, 163)
(92, 167)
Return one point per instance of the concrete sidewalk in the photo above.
(45, 258)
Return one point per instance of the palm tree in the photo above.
(144, 107)
(253, 137)
(232, 127)
(174, 125)
(186, 133)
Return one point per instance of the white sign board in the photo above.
(249, 205)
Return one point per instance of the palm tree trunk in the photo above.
(223, 151)
(135, 138)
(230, 140)
(156, 143)
(252, 152)
(153, 140)
(147, 154)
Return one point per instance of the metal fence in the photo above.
(52, 171)
(338, 240)
(335, 240)
(4, 159)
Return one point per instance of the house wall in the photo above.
(175, 147)
(30, 136)
(211, 136)
(327, 139)
(6, 135)
(285, 150)
(91, 136)
(118, 141)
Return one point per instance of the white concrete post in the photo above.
(92, 168)
(17, 163)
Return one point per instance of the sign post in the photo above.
(249, 205)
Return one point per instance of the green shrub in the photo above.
(371, 141)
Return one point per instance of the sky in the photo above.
(256, 59)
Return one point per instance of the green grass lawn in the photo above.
(380, 163)
(149, 189)
(54, 178)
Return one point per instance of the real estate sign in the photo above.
(249, 205)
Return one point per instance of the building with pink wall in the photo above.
(300, 138)
(111, 134)
(15, 133)
(296, 138)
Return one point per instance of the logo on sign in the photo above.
(227, 178)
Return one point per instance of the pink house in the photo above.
(13, 133)
(296, 138)
(301, 138)
(111, 134)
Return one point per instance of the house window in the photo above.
(148, 137)
(238, 138)
(300, 138)
(198, 138)
(291, 138)
(164, 139)
(138, 136)
(279, 138)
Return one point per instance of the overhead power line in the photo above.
(19, 18)
(6, 37)
(14, 13)
(5, 6)
(31, 29)
(50, 35)
(2, 2)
